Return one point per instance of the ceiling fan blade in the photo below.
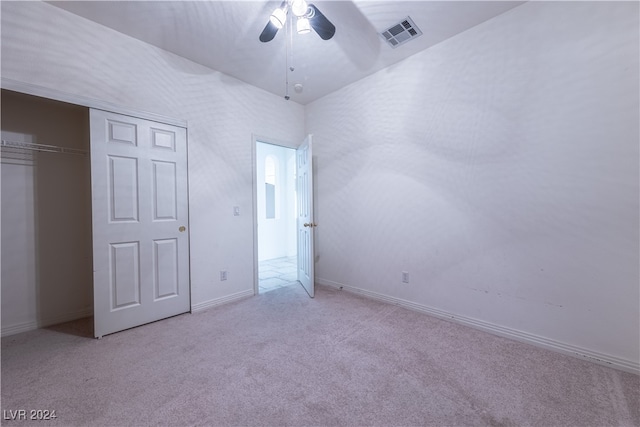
(268, 33)
(321, 24)
(271, 30)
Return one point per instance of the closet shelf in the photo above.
(43, 148)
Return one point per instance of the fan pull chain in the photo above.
(286, 61)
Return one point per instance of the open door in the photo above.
(140, 214)
(305, 216)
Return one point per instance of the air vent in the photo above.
(401, 33)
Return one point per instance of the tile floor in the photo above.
(277, 273)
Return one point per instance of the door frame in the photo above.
(84, 101)
(254, 185)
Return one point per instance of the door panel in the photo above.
(123, 188)
(305, 216)
(165, 271)
(164, 191)
(163, 139)
(140, 214)
(125, 275)
(124, 133)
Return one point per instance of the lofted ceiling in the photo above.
(223, 35)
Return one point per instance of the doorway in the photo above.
(276, 212)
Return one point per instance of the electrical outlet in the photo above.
(223, 275)
(405, 277)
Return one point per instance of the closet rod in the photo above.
(43, 147)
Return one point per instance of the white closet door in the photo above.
(140, 213)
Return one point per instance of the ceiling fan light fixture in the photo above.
(278, 17)
(303, 26)
(311, 19)
(299, 8)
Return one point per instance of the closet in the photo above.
(46, 231)
(95, 216)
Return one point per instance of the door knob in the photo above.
(310, 224)
(182, 228)
(306, 224)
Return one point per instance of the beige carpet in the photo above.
(284, 359)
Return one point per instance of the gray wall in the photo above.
(500, 169)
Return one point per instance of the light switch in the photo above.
(236, 211)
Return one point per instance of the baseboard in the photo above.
(18, 328)
(219, 301)
(571, 350)
(44, 322)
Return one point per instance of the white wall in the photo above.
(49, 47)
(276, 236)
(19, 284)
(46, 215)
(500, 169)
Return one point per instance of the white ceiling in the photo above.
(223, 35)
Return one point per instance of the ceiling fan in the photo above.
(307, 17)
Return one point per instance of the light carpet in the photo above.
(284, 359)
